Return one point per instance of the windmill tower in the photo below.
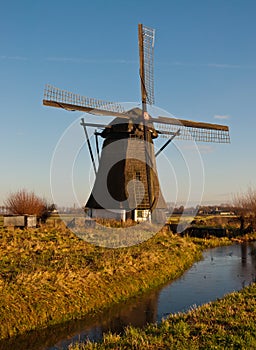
(126, 184)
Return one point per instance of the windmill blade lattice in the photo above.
(148, 35)
(219, 135)
(56, 97)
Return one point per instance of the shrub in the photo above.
(23, 202)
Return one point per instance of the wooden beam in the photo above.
(89, 145)
(167, 142)
(189, 123)
(71, 107)
(96, 125)
(142, 69)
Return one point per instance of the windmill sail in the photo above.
(56, 97)
(190, 130)
(146, 45)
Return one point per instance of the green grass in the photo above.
(228, 323)
(50, 276)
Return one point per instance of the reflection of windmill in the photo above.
(126, 182)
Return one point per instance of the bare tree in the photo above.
(23, 202)
(245, 208)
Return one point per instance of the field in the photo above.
(48, 276)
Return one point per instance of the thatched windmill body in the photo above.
(126, 184)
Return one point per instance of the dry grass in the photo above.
(50, 276)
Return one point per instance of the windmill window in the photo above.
(138, 176)
(139, 213)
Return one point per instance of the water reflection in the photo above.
(243, 253)
(137, 312)
(223, 270)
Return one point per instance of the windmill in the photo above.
(126, 183)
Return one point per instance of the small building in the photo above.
(20, 220)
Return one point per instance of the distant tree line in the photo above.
(244, 205)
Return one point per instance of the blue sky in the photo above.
(205, 66)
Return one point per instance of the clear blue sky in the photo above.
(205, 66)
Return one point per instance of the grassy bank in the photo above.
(50, 276)
(228, 323)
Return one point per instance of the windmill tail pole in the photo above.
(167, 143)
(97, 145)
(89, 145)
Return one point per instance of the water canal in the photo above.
(223, 270)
